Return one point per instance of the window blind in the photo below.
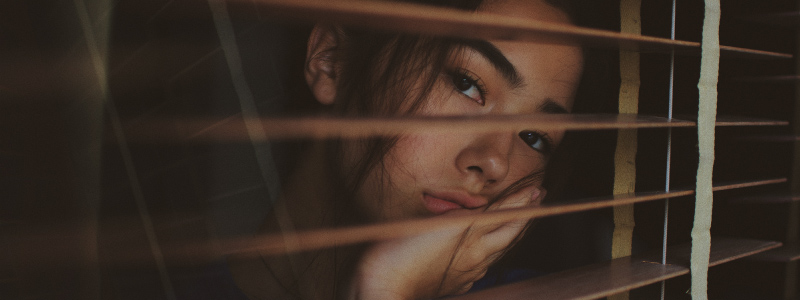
(154, 76)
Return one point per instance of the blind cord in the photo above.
(669, 147)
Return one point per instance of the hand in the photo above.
(441, 262)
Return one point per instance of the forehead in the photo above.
(548, 71)
(543, 62)
(532, 9)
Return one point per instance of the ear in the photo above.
(320, 68)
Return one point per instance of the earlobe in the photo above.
(320, 69)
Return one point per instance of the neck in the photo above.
(308, 203)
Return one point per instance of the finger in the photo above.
(483, 244)
(504, 234)
(530, 195)
(525, 196)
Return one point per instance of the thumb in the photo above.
(526, 196)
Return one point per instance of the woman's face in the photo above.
(435, 173)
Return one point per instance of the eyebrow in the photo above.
(496, 58)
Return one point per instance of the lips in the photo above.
(442, 202)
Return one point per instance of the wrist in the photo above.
(370, 283)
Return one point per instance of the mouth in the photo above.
(439, 203)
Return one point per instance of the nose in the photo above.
(486, 159)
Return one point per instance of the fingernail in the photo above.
(535, 194)
(538, 196)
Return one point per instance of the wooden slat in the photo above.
(330, 237)
(328, 127)
(414, 18)
(234, 128)
(622, 274)
(722, 250)
(775, 198)
(727, 121)
(782, 254)
(191, 252)
(745, 184)
(747, 121)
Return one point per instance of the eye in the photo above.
(469, 85)
(538, 141)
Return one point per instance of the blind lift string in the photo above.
(669, 148)
(93, 43)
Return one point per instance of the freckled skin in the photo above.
(423, 163)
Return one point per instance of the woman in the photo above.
(351, 182)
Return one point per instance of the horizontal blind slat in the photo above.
(782, 254)
(193, 251)
(768, 198)
(330, 237)
(234, 128)
(413, 18)
(607, 278)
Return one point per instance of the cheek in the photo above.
(419, 158)
(394, 191)
(523, 162)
